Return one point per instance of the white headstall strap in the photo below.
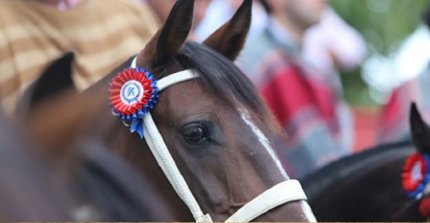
(279, 194)
(168, 165)
(134, 62)
(162, 155)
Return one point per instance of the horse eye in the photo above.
(195, 133)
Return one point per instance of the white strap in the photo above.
(134, 62)
(172, 78)
(175, 78)
(164, 158)
(168, 165)
(161, 153)
(284, 192)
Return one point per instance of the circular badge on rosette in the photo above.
(133, 92)
(416, 174)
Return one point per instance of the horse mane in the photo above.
(324, 178)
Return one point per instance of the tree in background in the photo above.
(384, 24)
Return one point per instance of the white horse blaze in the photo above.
(307, 211)
(263, 140)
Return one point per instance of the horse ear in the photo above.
(170, 38)
(419, 129)
(230, 38)
(54, 80)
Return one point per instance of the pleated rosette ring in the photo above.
(133, 93)
(416, 174)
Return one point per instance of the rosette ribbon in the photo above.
(133, 92)
(416, 174)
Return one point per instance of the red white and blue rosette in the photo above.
(416, 174)
(133, 92)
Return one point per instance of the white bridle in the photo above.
(284, 192)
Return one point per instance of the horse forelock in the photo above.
(218, 75)
(221, 78)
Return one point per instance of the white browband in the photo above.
(279, 194)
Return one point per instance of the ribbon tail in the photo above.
(137, 126)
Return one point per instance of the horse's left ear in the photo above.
(230, 38)
(419, 129)
(170, 38)
(54, 80)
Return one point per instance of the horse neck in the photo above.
(33, 176)
(370, 179)
(343, 169)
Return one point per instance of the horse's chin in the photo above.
(297, 211)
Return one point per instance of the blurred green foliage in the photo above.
(384, 25)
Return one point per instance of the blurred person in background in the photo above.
(332, 46)
(220, 11)
(162, 9)
(394, 117)
(102, 34)
(304, 99)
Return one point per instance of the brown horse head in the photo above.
(216, 126)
